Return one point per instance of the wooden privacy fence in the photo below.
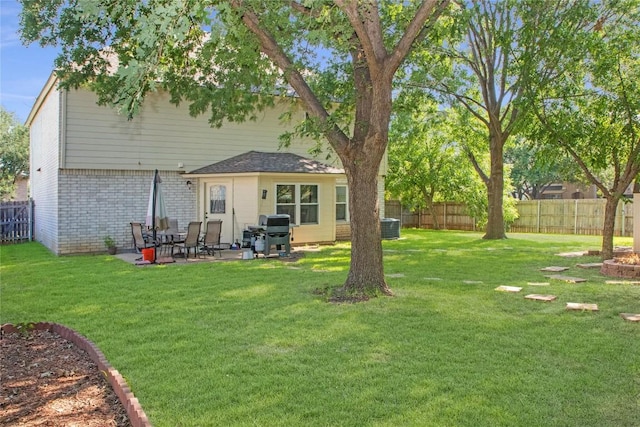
(581, 216)
(16, 221)
(452, 216)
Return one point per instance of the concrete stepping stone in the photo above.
(538, 283)
(472, 282)
(539, 297)
(630, 317)
(590, 265)
(508, 289)
(568, 279)
(622, 282)
(554, 268)
(435, 279)
(582, 306)
(572, 254)
(395, 275)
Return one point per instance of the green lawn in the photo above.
(255, 342)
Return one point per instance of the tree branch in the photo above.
(368, 31)
(270, 47)
(476, 165)
(416, 31)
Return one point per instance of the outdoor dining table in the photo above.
(165, 240)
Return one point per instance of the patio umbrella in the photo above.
(157, 217)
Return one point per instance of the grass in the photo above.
(254, 343)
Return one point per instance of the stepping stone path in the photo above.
(570, 305)
(590, 265)
(567, 278)
(554, 269)
(508, 288)
(582, 306)
(630, 317)
(622, 282)
(538, 297)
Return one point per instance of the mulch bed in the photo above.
(46, 380)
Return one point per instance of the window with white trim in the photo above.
(342, 212)
(299, 201)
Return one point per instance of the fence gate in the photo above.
(16, 221)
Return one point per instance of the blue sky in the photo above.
(23, 69)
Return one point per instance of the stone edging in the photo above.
(613, 269)
(136, 415)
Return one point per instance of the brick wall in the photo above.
(94, 204)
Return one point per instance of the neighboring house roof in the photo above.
(256, 161)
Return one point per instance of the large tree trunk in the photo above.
(366, 273)
(609, 224)
(495, 191)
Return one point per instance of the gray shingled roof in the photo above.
(255, 161)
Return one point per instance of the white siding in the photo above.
(162, 136)
(44, 163)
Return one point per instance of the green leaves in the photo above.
(590, 109)
(14, 152)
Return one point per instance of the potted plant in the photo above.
(110, 244)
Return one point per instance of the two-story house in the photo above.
(91, 170)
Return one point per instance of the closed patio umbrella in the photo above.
(157, 217)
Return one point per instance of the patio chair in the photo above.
(192, 240)
(141, 242)
(172, 234)
(211, 240)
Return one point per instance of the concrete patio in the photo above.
(164, 257)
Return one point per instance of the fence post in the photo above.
(30, 219)
(538, 218)
(623, 219)
(575, 217)
(444, 214)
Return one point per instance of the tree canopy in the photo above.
(427, 164)
(484, 58)
(590, 112)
